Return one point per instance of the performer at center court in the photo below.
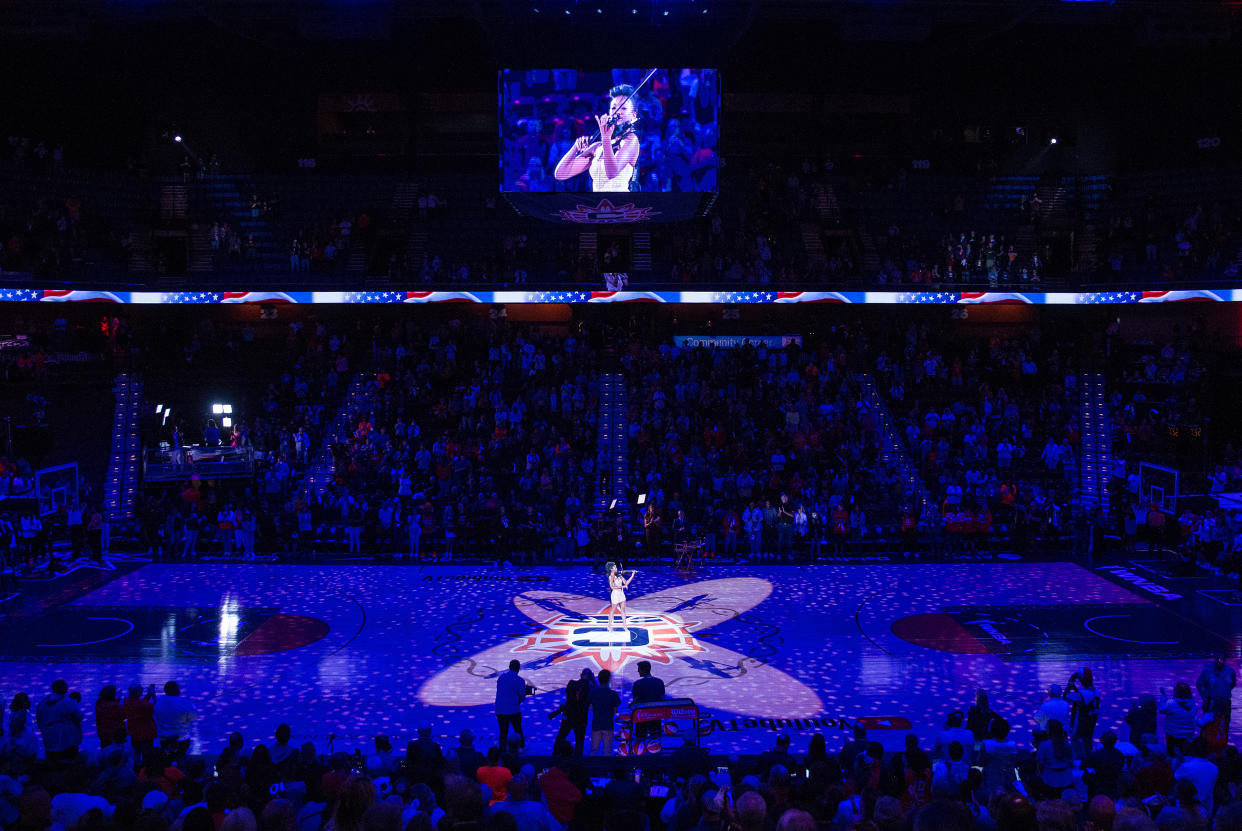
(618, 584)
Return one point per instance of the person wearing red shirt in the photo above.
(496, 776)
(139, 711)
(561, 794)
(840, 527)
(109, 715)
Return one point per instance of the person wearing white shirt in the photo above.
(173, 718)
(1201, 772)
(1055, 708)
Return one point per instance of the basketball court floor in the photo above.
(351, 651)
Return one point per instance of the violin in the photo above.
(619, 133)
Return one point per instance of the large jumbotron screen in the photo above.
(662, 124)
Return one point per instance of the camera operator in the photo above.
(511, 691)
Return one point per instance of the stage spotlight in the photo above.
(159, 408)
(1054, 140)
(216, 409)
(666, 12)
(227, 422)
(177, 138)
(642, 499)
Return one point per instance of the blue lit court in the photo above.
(354, 651)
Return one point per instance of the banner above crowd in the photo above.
(967, 298)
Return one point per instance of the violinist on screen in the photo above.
(610, 159)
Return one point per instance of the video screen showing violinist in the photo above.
(647, 130)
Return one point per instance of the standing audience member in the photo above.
(139, 713)
(60, 722)
(109, 715)
(1179, 718)
(604, 705)
(173, 718)
(647, 689)
(1216, 682)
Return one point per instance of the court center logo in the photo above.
(567, 633)
(645, 637)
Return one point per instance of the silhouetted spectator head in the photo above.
(888, 816)
(796, 820)
(818, 747)
(500, 821)
(1055, 815)
(199, 819)
(1014, 812)
(279, 815)
(515, 665)
(239, 819)
(60, 687)
(1133, 819)
(1186, 793)
(644, 668)
(518, 788)
(1101, 812)
(751, 810)
(283, 733)
(463, 800)
(382, 816)
(216, 796)
(171, 688)
(357, 795)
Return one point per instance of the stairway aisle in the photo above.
(613, 455)
(321, 471)
(891, 447)
(125, 459)
(1096, 456)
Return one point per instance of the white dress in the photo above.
(618, 596)
(600, 183)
